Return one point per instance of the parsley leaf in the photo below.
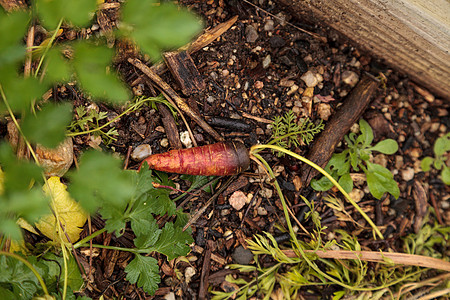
(173, 242)
(144, 271)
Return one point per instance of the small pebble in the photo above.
(310, 79)
(292, 90)
(210, 99)
(242, 256)
(259, 85)
(262, 211)
(251, 34)
(324, 111)
(268, 26)
(266, 62)
(356, 195)
(350, 78)
(225, 73)
(140, 152)
(186, 139)
(277, 41)
(164, 143)
(309, 92)
(301, 64)
(285, 82)
(259, 131)
(189, 272)
(237, 200)
(408, 174)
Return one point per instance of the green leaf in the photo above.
(346, 182)
(58, 69)
(146, 229)
(115, 218)
(446, 175)
(442, 145)
(13, 26)
(53, 262)
(100, 181)
(10, 228)
(92, 65)
(20, 92)
(388, 146)
(173, 242)
(157, 26)
(366, 133)
(381, 180)
(79, 12)
(144, 271)
(48, 127)
(425, 164)
(18, 174)
(18, 278)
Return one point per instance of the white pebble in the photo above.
(141, 152)
(310, 79)
(186, 139)
(408, 174)
(266, 62)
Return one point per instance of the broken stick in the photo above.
(335, 130)
(163, 86)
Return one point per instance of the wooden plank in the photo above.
(412, 36)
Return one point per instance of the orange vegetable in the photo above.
(220, 159)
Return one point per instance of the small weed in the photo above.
(439, 161)
(287, 130)
(357, 157)
(290, 273)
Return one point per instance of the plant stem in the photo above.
(256, 148)
(129, 109)
(48, 46)
(82, 242)
(16, 123)
(135, 251)
(254, 155)
(30, 266)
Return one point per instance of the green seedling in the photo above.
(439, 161)
(287, 132)
(357, 157)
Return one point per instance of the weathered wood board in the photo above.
(412, 36)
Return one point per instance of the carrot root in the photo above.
(219, 159)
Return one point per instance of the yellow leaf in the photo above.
(70, 213)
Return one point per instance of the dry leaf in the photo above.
(71, 215)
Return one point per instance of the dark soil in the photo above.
(252, 74)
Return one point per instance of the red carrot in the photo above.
(220, 159)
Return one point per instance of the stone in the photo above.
(310, 79)
(350, 78)
(277, 41)
(268, 26)
(407, 174)
(186, 139)
(140, 152)
(266, 62)
(237, 200)
(251, 34)
(242, 256)
(324, 111)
